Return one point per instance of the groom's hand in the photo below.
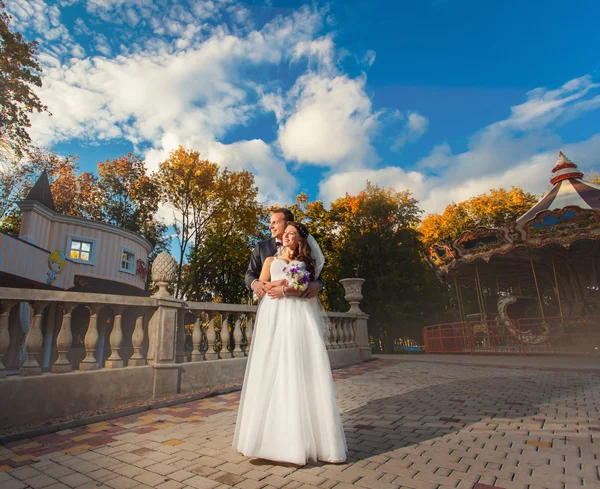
(312, 290)
(258, 286)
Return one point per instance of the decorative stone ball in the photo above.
(164, 268)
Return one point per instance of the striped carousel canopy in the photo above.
(569, 189)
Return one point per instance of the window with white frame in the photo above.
(127, 261)
(81, 250)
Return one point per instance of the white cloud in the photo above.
(331, 122)
(276, 185)
(416, 125)
(520, 150)
(352, 182)
(143, 95)
(44, 19)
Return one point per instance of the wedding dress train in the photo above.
(288, 409)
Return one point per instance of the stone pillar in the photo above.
(64, 341)
(137, 340)
(116, 341)
(163, 328)
(225, 353)
(211, 337)
(353, 287)
(51, 320)
(4, 333)
(101, 344)
(249, 332)
(237, 336)
(180, 355)
(91, 341)
(197, 354)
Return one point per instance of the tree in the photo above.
(73, 194)
(215, 211)
(376, 239)
(129, 198)
(492, 209)
(219, 255)
(19, 70)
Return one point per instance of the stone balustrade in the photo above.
(70, 352)
(219, 331)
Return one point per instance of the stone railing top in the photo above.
(219, 306)
(40, 295)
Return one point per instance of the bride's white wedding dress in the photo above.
(288, 410)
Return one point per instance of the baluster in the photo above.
(116, 340)
(34, 342)
(211, 337)
(249, 332)
(329, 335)
(237, 336)
(180, 356)
(137, 340)
(64, 341)
(346, 332)
(197, 354)
(352, 339)
(91, 340)
(4, 333)
(338, 334)
(225, 353)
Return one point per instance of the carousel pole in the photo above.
(483, 309)
(537, 288)
(572, 280)
(518, 281)
(458, 302)
(560, 308)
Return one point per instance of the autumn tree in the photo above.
(130, 197)
(219, 255)
(74, 194)
(376, 239)
(19, 71)
(492, 209)
(216, 217)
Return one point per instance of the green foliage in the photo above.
(19, 71)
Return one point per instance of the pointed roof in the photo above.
(569, 189)
(41, 193)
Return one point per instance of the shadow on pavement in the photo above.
(430, 412)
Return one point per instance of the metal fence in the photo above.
(548, 335)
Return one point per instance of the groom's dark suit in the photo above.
(263, 250)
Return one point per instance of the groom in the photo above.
(267, 248)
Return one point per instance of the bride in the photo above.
(288, 410)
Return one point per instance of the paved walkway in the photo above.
(417, 422)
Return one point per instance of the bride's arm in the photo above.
(265, 273)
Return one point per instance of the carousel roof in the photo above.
(569, 189)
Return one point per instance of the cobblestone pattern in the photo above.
(419, 425)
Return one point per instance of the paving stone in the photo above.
(75, 480)
(40, 481)
(200, 482)
(13, 484)
(24, 473)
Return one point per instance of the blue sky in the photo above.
(447, 98)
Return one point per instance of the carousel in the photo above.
(530, 286)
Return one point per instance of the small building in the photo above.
(57, 251)
(60, 252)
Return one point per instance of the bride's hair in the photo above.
(302, 253)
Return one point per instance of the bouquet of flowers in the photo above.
(297, 277)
